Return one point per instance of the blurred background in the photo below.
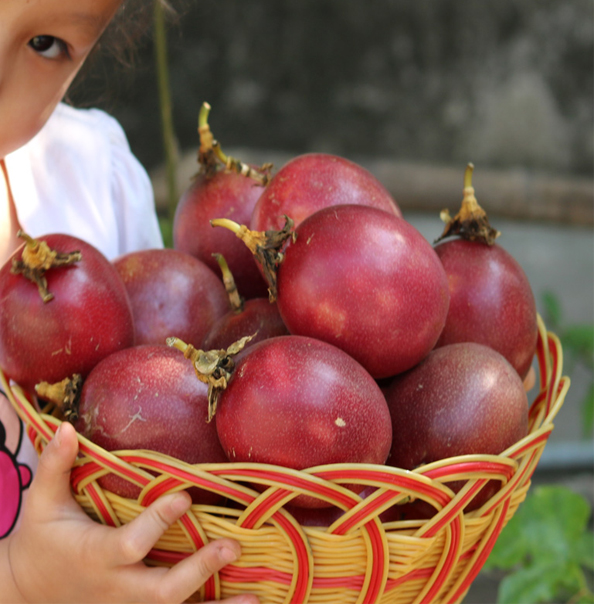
(413, 91)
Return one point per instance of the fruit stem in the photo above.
(36, 259)
(210, 152)
(212, 367)
(467, 179)
(229, 284)
(265, 246)
(471, 222)
(64, 394)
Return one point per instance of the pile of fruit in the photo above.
(300, 320)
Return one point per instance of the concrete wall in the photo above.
(504, 84)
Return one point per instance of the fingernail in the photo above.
(227, 555)
(180, 504)
(58, 435)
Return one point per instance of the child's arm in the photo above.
(59, 554)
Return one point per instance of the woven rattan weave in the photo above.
(356, 559)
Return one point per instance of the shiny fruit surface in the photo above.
(88, 317)
(367, 282)
(299, 402)
(492, 302)
(148, 397)
(313, 181)
(172, 294)
(221, 195)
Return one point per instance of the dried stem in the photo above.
(265, 245)
(36, 259)
(235, 299)
(213, 367)
(210, 153)
(65, 395)
(471, 221)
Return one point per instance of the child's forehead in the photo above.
(92, 15)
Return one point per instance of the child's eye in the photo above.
(48, 46)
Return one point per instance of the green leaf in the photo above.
(552, 314)
(511, 547)
(555, 513)
(545, 527)
(587, 411)
(542, 583)
(584, 550)
(546, 545)
(579, 340)
(529, 586)
(585, 597)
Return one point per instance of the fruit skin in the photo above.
(462, 399)
(366, 282)
(172, 294)
(491, 301)
(148, 397)
(259, 316)
(89, 318)
(299, 402)
(222, 195)
(313, 181)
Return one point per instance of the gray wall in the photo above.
(502, 83)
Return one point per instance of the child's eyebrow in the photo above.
(93, 23)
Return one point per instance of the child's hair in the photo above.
(131, 26)
(132, 23)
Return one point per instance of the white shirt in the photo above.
(76, 176)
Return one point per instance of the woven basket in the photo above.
(358, 558)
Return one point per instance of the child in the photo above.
(68, 170)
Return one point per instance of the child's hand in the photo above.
(59, 554)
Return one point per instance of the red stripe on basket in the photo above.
(185, 477)
(236, 574)
(189, 477)
(451, 558)
(300, 483)
(456, 508)
(192, 530)
(302, 555)
(482, 557)
(172, 558)
(273, 499)
(536, 406)
(100, 505)
(116, 468)
(533, 442)
(366, 511)
(463, 467)
(31, 433)
(302, 583)
(554, 357)
(512, 485)
(414, 575)
(385, 477)
(160, 555)
(80, 473)
(41, 427)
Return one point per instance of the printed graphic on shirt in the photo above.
(15, 477)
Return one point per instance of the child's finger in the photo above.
(132, 542)
(190, 574)
(51, 481)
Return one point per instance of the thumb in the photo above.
(51, 481)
